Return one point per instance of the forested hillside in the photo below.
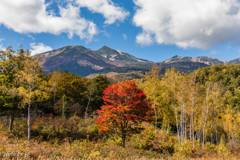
(201, 106)
(168, 115)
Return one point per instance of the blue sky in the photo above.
(150, 29)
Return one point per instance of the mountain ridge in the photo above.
(85, 61)
(202, 59)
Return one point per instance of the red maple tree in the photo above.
(125, 107)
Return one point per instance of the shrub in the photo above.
(144, 140)
(157, 140)
(2, 149)
(222, 150)
(69, 129)
(186, 149)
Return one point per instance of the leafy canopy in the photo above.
(125, 106)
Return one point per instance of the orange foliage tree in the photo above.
(125, 107)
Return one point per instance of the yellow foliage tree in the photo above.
(32, 86)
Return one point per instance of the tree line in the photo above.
(25, 89)
(201, 106)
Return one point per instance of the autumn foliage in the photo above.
(125, 106)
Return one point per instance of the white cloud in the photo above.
(37, 48)
(107, 8)
(31, 16)
(124, 36)
(144, 39)
(188, 23)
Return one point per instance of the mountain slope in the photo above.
(83, 61)
(202, 59)
(183, 66)
(117, 56)
(76, 59)
(235, 61)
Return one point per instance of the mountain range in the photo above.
(87, 62)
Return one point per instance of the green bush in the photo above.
(151, 139)
(144, 140)
(69, 129)
(2, 149)
(185, 149)
(222, 150)
(209, 147)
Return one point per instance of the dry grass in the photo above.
(149, 144)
